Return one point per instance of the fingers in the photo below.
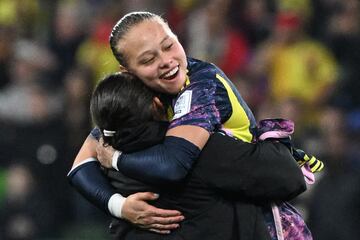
(104, 155)
(167, 221)
(146, 196)
(162, 227)
(165, 213)
(99, 149)
(159, 231)
(137, 210)
(160, 222)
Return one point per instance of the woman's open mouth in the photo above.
(171, 74)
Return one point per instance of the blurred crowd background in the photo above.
(296, 59)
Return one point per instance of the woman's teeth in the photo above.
(171, 73)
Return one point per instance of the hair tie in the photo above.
(108, 133)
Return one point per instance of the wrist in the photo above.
(115, 205)
(114, 159)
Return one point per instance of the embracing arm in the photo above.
(87, 177)
(261, 171)
(169, 161)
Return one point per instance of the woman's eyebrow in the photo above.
(144, 53)
(150, 51)
(165, 38)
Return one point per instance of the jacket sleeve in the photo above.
(89, 180)
(259, 171)
(168, 162)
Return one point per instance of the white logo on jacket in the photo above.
(182, 104)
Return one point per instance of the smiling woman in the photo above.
(152, 50)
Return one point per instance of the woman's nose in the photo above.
(165, 61)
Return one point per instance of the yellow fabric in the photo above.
(301, 71)
(303, 7)
(238, 114)
(98, 57)
(7, 12)
(240, 131)
(185, 5)
(170, 113)
(14, 11)
(187, 82)
(318, 167)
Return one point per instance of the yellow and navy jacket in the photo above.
(211, 101)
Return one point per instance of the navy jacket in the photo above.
(225, 194)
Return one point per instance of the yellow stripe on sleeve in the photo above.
(238, 123)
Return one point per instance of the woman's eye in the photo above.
(147, 61)
(167, 47)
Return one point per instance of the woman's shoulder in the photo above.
(199, 67)
(204, 73)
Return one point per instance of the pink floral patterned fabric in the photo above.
(293, 226)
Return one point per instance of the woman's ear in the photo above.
(158, 109)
